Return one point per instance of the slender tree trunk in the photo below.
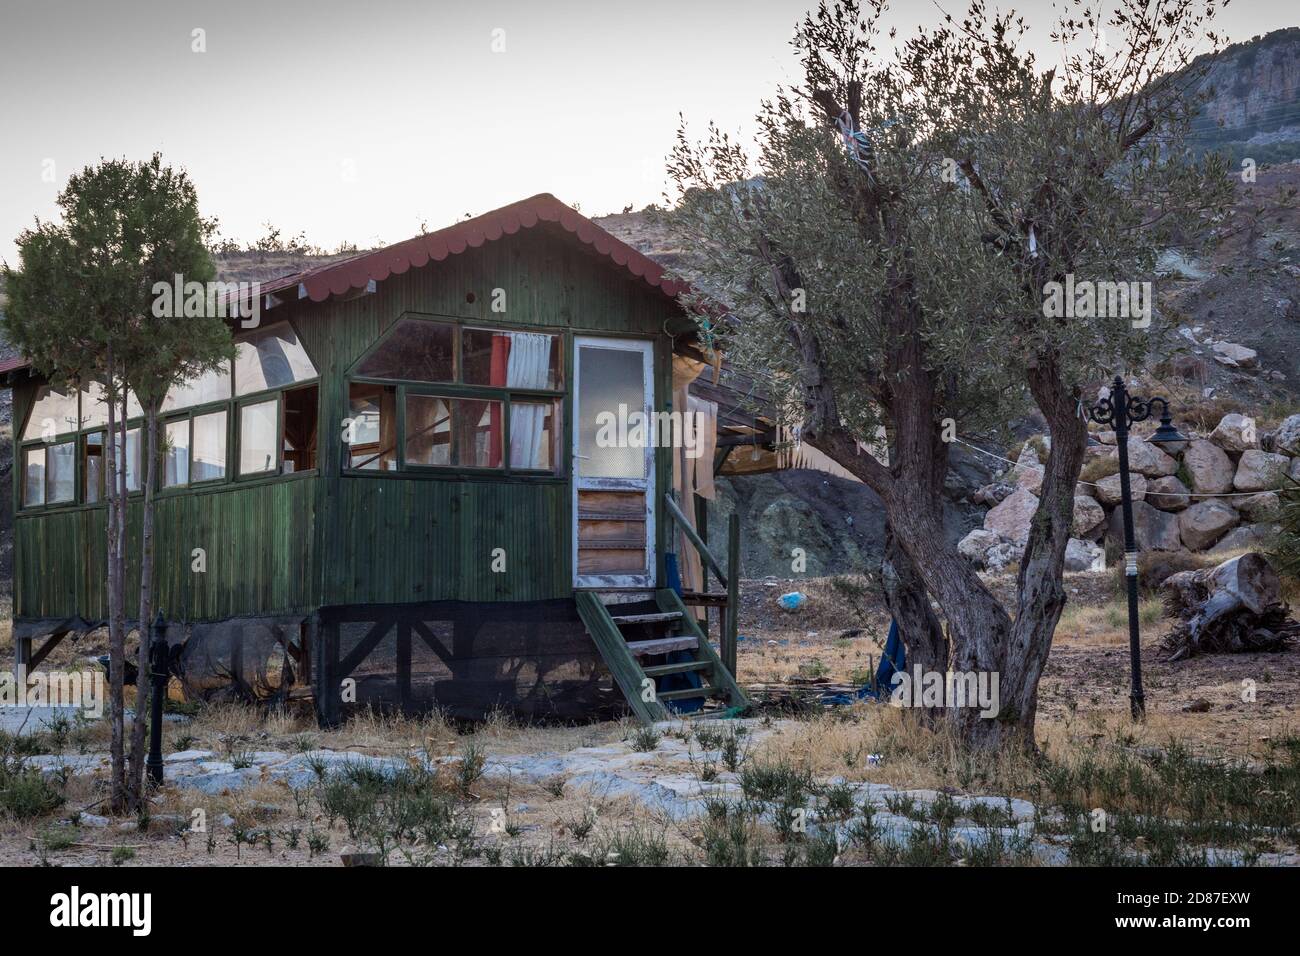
(143, 686)
(116, 601)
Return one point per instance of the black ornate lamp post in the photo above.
(1120, 411)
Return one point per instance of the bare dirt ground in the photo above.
(835, 636)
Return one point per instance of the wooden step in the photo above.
(663, 645)
(662, 670)
(689, 693)
(658, 618)
(705, 598)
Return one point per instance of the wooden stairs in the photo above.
(637, 645)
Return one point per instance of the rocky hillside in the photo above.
(1254, 109)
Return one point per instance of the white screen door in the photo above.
(613, 463)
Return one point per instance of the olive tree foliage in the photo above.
(887, 255)
(81, 307)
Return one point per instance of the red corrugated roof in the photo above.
(356, 273)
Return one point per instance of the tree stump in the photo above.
(1232, 608)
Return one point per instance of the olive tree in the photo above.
(889, 260)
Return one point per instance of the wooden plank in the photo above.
(690, 692)
(704, 599)
(663, 670)
(663, 645)
(686, 529)
(647, 618)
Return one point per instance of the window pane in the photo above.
(533, 434)
(371, 435)
(258, 426)
(61, 473)
(270, 358)
(478, 433)
(611, 384)
(417, 350)
(300, 405)
(176, 453)
(33, 476)
(211, 386)
(209, 456)
(94, 410)
(511, 359)
(92, 468)
(428, 430)
(134, 474)
(54, 413)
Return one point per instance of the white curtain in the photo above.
(528, 367)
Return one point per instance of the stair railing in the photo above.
(729, 613)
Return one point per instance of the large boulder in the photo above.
(1084, 556)
(1209, 467)
(1234, 355)
(1287, 437)
(1013, 516)
(1249, 537)
(975, 546)
(1260, 470)
(1260, 507)
(1145, 458)
(1206, 522)
(1154, 530)
(1235, 433)
(993, 493)
(1108, 489)
(1087, 515)
(1168, 494)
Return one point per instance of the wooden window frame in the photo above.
(458, 390)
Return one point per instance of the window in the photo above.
(300, 406)
(204, 389)
(463, 432)
(370, 437)
(533, 436)
(495, 414)
(176, 453)
(92, 468)
(49, 474)
(134, 459)
(33, 476)
(258, 427)
(271, 358)
(208, 458)
(416, 350)
(53, 413)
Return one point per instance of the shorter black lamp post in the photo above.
(1120, 411)
(158, 675)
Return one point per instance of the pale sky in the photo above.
(358, 120)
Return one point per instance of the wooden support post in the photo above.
(22, 656)
(326, 648)
(733, 594)
(404, 666)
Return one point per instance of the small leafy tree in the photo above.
(888, 260)
(81, 308)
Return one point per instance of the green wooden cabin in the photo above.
(396, 496)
